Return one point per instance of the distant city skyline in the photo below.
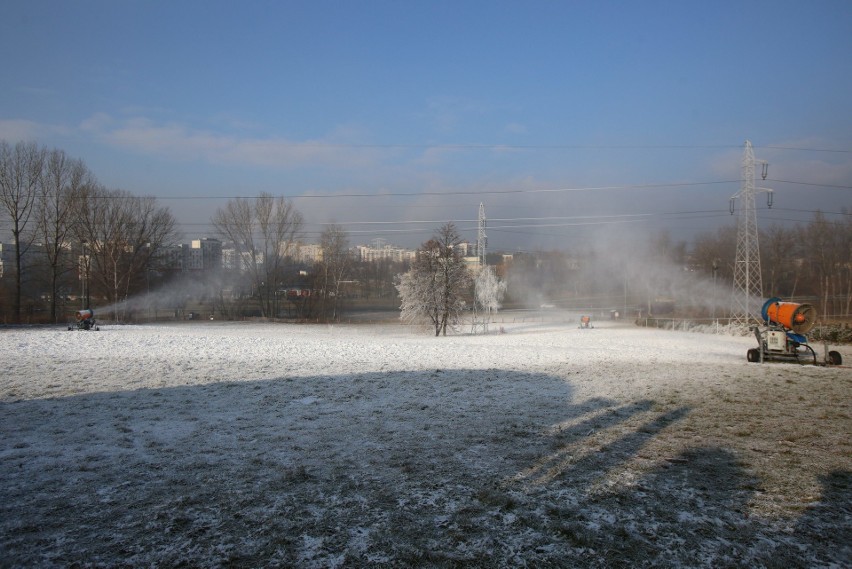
(392, 118)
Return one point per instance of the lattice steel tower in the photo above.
(748, 284)
(481, 238)
(481, 314)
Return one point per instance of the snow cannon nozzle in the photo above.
(85, 320)
(798, 318)
(84, 314)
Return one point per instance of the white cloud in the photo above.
(14, 130)
(176, 140)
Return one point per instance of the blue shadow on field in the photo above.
(438, 468)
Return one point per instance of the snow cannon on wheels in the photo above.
(85, 320)
(782, 337)
(586, 322)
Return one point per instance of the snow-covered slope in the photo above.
(266, 444)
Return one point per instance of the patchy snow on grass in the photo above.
(247, 444)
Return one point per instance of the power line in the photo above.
(461, 192)
(578, 219)
(649, 186)
(800, 183)
(827, 221)
(493, 146)
(801, 149)
(501, 219)
(808, 211)
(575, 220)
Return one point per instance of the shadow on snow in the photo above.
(440, 468)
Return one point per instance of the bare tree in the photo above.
(334, 267)
(264, 231)
(714, 254)
(433, 289)
(122, 233)
(20, 175)
(779, 250)
(61, 188)
(820, 238)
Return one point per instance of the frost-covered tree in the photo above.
(489, 292)
(433, 289)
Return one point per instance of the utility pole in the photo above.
(748, 283)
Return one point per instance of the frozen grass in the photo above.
(271, 445)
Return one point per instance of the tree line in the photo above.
(69, 230)
(810, 260)
(69, 233)
(81, 227)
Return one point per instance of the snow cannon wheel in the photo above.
(753, 355)
(834, 358)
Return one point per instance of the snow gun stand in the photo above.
(782, 337)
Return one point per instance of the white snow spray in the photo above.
(170, 296)
(619, 269)
(644, 266)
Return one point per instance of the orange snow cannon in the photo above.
(84, 314)
(798, 318)
(85, 320)
(782, 338)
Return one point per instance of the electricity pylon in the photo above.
(480, 316)
(748, 283)
(481, 238)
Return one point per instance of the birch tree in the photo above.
(63, 182)
(121, 233)
(335, 266)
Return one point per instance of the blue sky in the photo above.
(412, 113)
